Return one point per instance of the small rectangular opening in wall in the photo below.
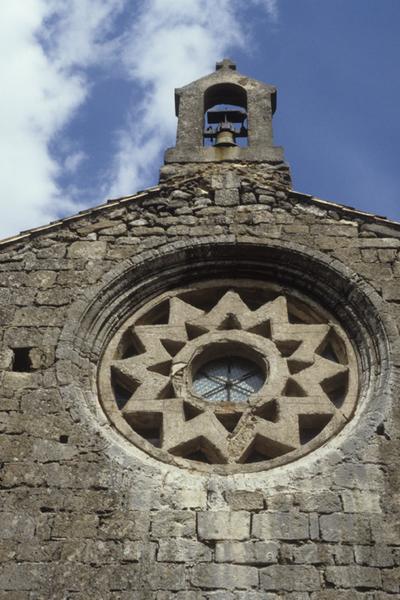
(22, 361)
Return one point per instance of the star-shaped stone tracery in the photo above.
(310, 384)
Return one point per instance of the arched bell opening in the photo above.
(225, 116)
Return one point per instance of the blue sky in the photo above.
(87, 110)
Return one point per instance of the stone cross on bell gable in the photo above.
(227, 63)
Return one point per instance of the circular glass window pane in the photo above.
(228, 379)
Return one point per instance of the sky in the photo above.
(87, 100)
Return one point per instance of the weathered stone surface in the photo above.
(345, 595)
(386, 531)
(321, 502)
(16, 526)
(179, 596)
(284, 526)
(374, 556)
(354, 576)
(166, 524)
(256, 596)
(75, 526)
(381, 230)
(290, 578)
(245, 500)
(131, 526)
(223, 525)
(166, 577)
(345, 528)
(115, 230)
(355, 501)
(391, 580)
(226, 197)
(24, 576)
(247, 552)
(266, 199)
(87, 250)
(183, 550)
(392, 291)
(311, 553)
(227, 577)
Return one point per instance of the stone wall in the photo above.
(86, 515)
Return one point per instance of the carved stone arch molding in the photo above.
(231, 357)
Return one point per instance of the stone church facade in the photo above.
(199, 386)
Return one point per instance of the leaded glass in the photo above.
(228, 379)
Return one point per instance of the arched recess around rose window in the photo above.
(225, 103)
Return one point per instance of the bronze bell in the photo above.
(225, 135)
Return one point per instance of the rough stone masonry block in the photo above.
(219, 595)
(166, 577)
(386, 531)
(178, 596)
(223, 525)
(129, 525)
(226, 577)
(75, 526)
(188, 498)
(345, 528)
(392, 291)
(308, 553)
(87, 250)
(247, 552)
(358, 476)
(346, 595)
(323, 502)
(19, 576)
(14, 526)
(291, 578)
(391, 580)
(281, 526)
(355, 501)
(173, 523)
(374, 556)
(183, 550)
(228, 180)
(245, 500)
(258, 596)
(227, 197)
(354, 577)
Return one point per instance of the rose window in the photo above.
(229, 378)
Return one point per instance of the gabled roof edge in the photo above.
(114, 202)
(349, 210)
(109, 204)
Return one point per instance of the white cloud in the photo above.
(42, 90)
(74, 160)
(271, 7)
(82, 31)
